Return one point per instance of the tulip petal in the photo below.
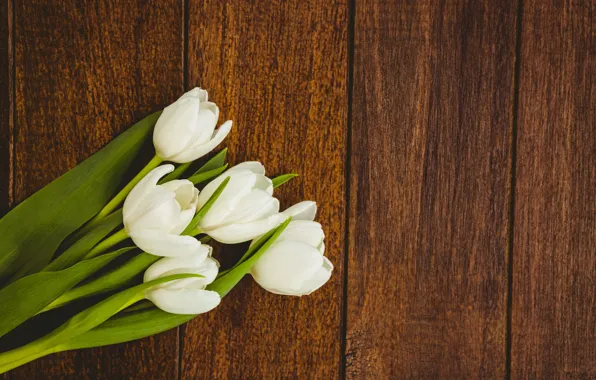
(198, 93)
(304, 231)
(159, 211)
(239, 186)
(184, 219)
(144, 187)
(253, 166)
(264, 184)
(201, 264)
(319, 279)
(305, 210)
(239, 179)
(171, 265)
(176, 127)
(185, 191)
(322, 248)
(209, 269)
(184, 301)
(286, 266)
(256, 205)
(193, 152)
(159, 243)
(187, 198)
(206, 123)
(241, 232)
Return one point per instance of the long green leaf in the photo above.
(80, 248)
(25, 297)
(108, 282)
(32, 231)
(82, 322)
(215, 162)
(190, 229)
(95, 315)
(143, 323)
(126, 327)
(280, 180)
(205, 176)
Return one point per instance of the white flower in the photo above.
(246, 207)
(155, 215)
(295, 264)
(186, 131)
(188, 295)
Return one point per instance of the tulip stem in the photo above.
(121, 196)
(16, 358)
(106, 244)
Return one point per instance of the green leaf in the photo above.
(25, 297)
(141, 305)
(100, 312)
(217, 161)
(190, 229)
(32, 231)
(125, 327)
(139, 324)
(205, 176)
(180, 169)
(280, 180)
(79, 249)
(82, 322)
(227, 281)
(113, 280)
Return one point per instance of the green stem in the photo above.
(107, 244)
(81, 323)
(121, 196)
(16, 358)
(112, 280)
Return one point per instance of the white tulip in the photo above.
(155, 215)
(295, 264)
(188, 295)
(246, 207)
(186, 130)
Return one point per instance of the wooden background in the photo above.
(451, 146)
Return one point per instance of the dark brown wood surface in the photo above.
(430, 188)
(84, 71)
(451, 146)
(279, 70)
(554, 265)
(6, 106)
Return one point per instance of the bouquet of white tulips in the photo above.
(120, 259)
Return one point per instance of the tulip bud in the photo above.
(186, 296)
(155, 215)
(295, 264)
(186, 131)
(245, 209)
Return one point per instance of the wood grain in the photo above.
(6, 109)
(554, 266)
(430, 187)
(279, 70)
(84, 72)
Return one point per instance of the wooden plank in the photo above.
(84, 72)
(430, 187)
(6, 106)
(279, 70)
(6, 109)
(554, 266)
